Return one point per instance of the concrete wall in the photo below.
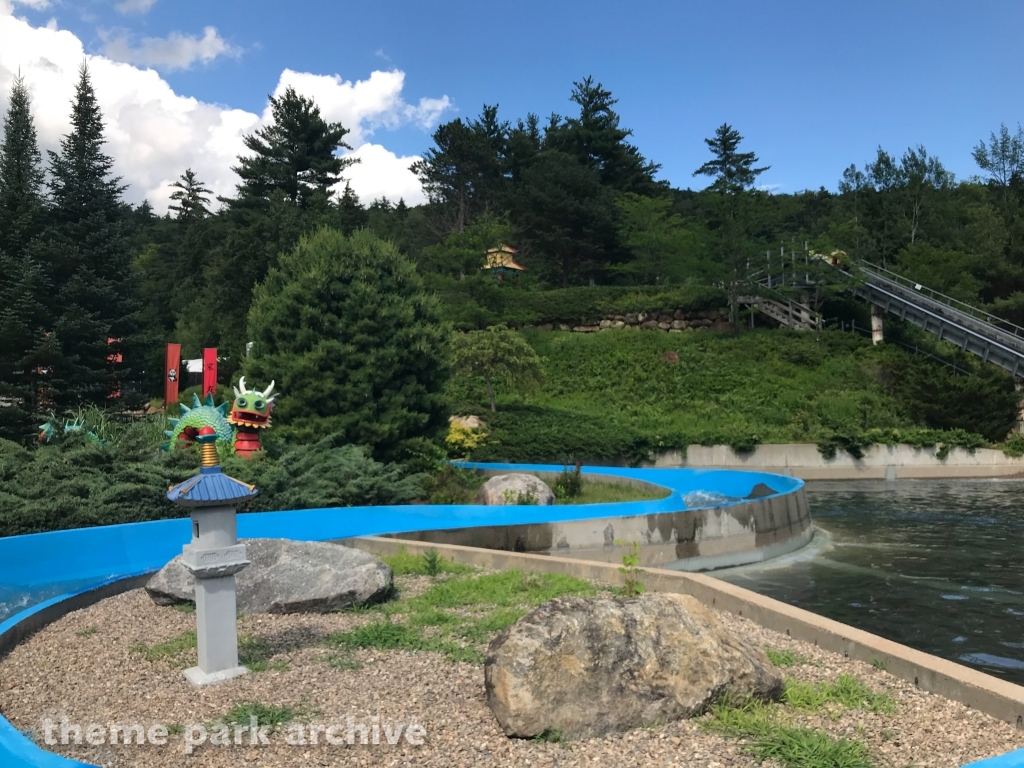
(880, 462)
(995, 697)
(747, 531)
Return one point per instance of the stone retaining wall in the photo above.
(880, 462)
(664, 320)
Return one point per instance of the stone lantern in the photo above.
(213, 557)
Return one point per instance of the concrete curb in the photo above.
(988, 694)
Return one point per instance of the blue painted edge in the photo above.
(1013, 759)
(147, 546)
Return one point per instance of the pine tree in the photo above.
(733, 175)
(190, 198)
(295, 154)
(350, 212)
(93, 303)
(597, 141)
(23, 281)
(733, 171)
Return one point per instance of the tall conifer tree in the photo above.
(22, 279)
(91, 258)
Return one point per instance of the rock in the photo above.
(588, 667)
(649, 324)
(287, 576)
(618, 324)
(513, 487)
(664, 326)
(630, 319)
(670, 357)
(564, 327)
(546, 327)
(605, 323)
(679, 315)
(761, 490)
(586, 328)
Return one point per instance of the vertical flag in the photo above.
(172, 374)
(209, 371)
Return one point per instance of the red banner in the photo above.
(172, 374)
(209, 371)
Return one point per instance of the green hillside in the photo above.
(623, 394)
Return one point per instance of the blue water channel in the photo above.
(937, 565)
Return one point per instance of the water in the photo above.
(15, 597)
(937, 565)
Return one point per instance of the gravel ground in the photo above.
(83, 668)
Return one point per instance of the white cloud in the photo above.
(35, 5)
(364, 105)
(381, 173)
(135, 6)
(154, 134)
(176, 51)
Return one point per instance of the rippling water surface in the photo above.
(937, 565)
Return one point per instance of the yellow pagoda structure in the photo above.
(501, 261)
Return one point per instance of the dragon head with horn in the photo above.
(250, 413)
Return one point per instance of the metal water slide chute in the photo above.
(973, 330)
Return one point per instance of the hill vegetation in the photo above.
(350, 305)
(628, 394)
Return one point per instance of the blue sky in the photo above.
(812, 87)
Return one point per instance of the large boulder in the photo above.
(586, 667)
(287, 576)
(514, 488)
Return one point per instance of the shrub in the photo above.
(354, 342)
(78, 483)
(569, 483)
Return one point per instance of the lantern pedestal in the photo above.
(216, 634)
(213, 557)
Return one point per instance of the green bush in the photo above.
(77, 483)
(354, 342)
(530, 434)
(1014, 445)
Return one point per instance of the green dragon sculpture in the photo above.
(203, 413)
(238, 422)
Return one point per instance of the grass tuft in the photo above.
(766, 737)
(785, 658)
(167, 649)
(270, 715)
(846, 691)
(404, 563)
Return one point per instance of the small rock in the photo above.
(670, 357)
(514, 488)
